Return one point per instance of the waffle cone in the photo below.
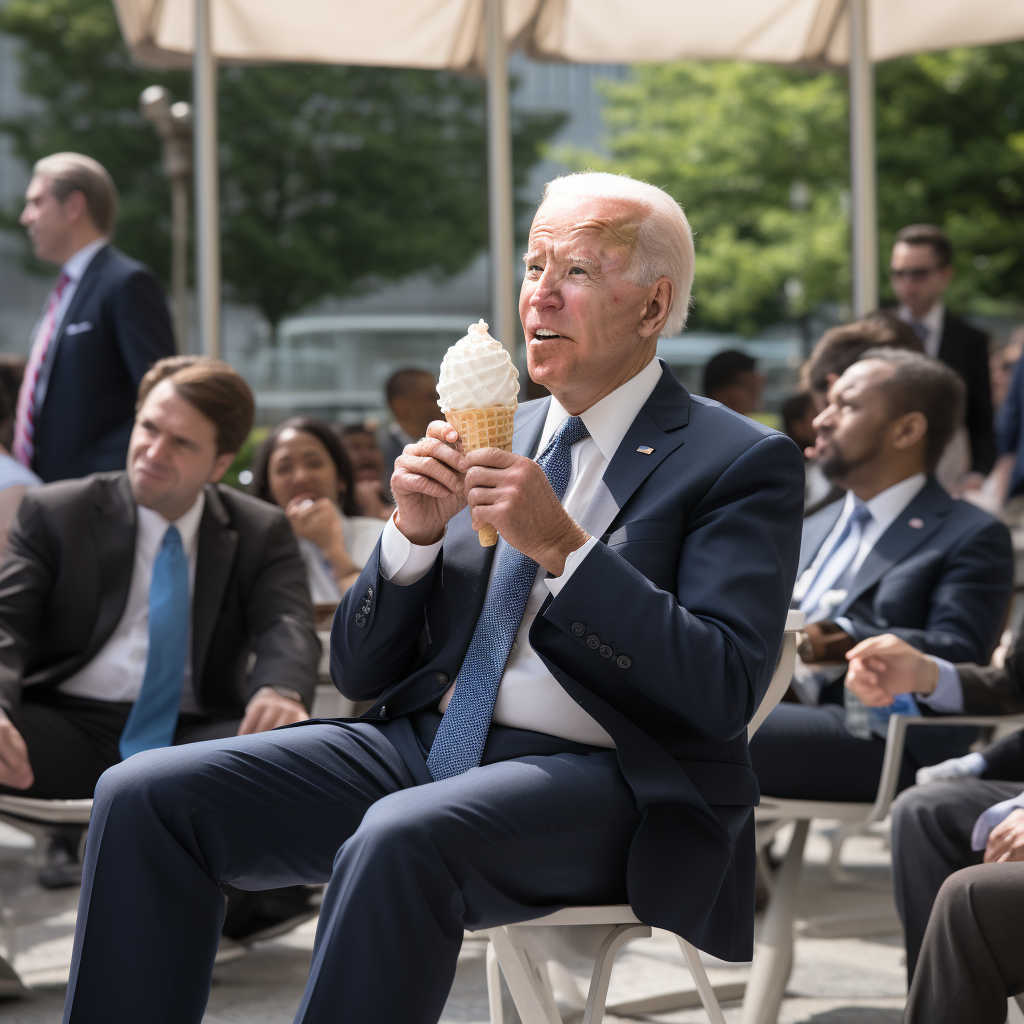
(484, 428)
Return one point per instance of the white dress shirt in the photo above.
(75, 268)
(529, 697)
(117, 670)
(933, 320)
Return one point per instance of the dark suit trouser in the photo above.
(931, 839)
(972, 959)
(72, 740)
(410, 862)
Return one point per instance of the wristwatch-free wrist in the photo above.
(284, 691)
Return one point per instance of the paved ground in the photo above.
(848, 968)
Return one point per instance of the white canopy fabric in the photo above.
(449, 33)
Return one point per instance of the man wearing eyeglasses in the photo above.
(921, 269)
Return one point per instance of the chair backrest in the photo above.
(783, 672)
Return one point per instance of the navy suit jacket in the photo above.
(119, 326)
(942, 586)
(689, 588)
(965, 349)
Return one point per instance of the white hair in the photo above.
(664, 242)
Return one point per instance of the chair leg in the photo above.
(533, 1000)
(700, 980)
(494, 986)
(773, 952)
(598, 994)
(835, 864)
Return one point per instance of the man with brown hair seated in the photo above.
(130, 602)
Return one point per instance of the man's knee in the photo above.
(920, 809)
(954, 903)
(150, 778)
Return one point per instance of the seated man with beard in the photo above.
(896, 555)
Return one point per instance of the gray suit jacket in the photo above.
(64, 586)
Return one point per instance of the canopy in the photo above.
(449, 33)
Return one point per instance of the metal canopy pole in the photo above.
(863, 171)
(504, 318)
(204, 84)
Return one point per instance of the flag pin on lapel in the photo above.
(916, 523)
(644, 450)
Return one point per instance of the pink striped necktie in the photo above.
(24, 423)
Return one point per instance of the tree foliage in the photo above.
(759, 157)
(331, 177)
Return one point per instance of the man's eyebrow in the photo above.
(532, 257)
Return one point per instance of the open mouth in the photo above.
(543, 334)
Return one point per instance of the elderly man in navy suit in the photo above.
(597, 671)
(104, 324)
(898, 556)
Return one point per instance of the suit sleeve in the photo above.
(967, 600)
(26, 578)
(979, 408)
(376, 633)
(991, 690)
(707, 651)
(1008, 420)
(280, 615)
(143, 323)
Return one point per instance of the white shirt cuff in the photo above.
(572, 563)
(988, 820)
(948, 695)
(401, 561)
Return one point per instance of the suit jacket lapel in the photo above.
(929, 508)
(116, 516)
(816, 529)
(214, 561)
(85, 286)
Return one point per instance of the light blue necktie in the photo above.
(459, 743)
(836, 565)
(154, 715)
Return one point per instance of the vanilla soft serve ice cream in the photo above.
(477, 389)
(477, 373)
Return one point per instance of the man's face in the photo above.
(580, 316)
(853, 431)
(49, 222)
(916, 276)
(419, 406)
(172, 453)
(365, 455)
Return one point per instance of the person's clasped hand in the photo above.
(883, 666)
(1006, 840)
(824, 643)
(316, 520)
(268, 709)
(15, 769)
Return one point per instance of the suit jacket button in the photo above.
(593, 641)
(369, 592)
(578, 628)
(360, 619)
(441, 679)
(622, 661)
(384, 711)
(606, 651)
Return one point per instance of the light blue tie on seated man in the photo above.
(153, 718)
(607, 657)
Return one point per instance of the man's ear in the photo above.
(75, 207)
(911, 429)
(220, 467)
(659, 302)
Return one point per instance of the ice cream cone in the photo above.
(484, 428)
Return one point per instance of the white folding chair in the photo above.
(773, 951)
(521, 958)
(37, 818)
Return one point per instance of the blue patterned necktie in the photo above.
(154, 715)
(459, 742)
(840, 558)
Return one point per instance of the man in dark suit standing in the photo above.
(130, 602)
(557, 720)
(921, 268)
(412, 398)
(896, 555)
(105, 323)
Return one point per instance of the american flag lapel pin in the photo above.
(916, 523)
(644, 450)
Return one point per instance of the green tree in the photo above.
(759, 157)
(331, 177)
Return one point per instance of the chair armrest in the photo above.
(781, 677)
(895, 740)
